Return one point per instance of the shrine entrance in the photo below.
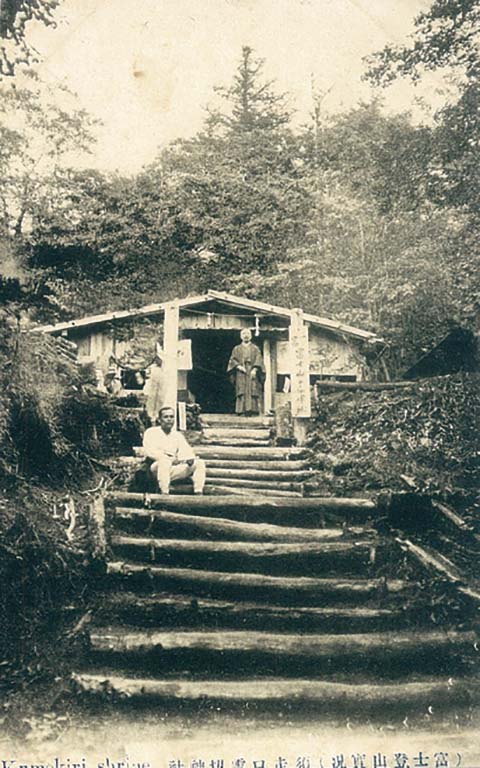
(208, 380)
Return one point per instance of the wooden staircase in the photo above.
(241, 458)
(256, 593)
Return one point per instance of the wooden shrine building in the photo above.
(197, 335)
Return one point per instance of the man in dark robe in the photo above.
(247, 372)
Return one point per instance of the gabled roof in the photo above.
(455, 352)
(256, 307)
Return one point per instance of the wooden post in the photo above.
(97, 526)
(170, 347)
(268, 389)
(300, 375)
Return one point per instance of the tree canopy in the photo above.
(446, 35)
(361, 215)
(14, 17)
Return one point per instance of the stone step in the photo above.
(296, 590)
(177, 611)
(403, 699)
(229, 651)
(176, 524)
(300, 558)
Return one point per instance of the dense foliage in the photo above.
(54, 425)
(427, 432)
(362, 216)
(14, 17)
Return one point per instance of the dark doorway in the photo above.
(208, 380)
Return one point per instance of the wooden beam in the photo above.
(292, 476)
(454, 519)
(255, 550)
(97, 520)
(325, 694)
(255, 485)
(432, 560)
(293, 587)
(255, 502)
(170, 347)
(216, 487)
(233, 529)
(268, 386)
(174, 609)
(248, 433)
(379, 645)
(263, 453)
(367, 386)
(333, 325)
(262, 466)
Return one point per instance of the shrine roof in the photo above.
(209, 302)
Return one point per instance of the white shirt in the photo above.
(157, 444)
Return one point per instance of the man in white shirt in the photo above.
(173, 458)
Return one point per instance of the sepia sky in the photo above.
(147, 68)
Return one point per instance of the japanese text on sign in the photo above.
(300, 367)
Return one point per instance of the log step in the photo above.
(256, 485)
(175, 523)
(403, 698)
(217, 488)
(379, 646)
(237, 424)
(255, 453)
(287, 475)
(230, 419)
(267, 469)
(185, 488)
(263, 466)
(261, 433)
(177, 610)
(281, 558)
(301, 590)
(237, 442)
(224, 504)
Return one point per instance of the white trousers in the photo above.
(165, 472)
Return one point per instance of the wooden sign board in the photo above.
(184, 355)
(299, 366)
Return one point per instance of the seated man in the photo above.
(173, 458)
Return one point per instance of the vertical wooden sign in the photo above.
(170, 347)
(299, 366)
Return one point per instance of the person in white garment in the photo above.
(173, 458)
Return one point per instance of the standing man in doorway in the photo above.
(247, 370)
(173, 458)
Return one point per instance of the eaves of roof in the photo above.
(255, 306)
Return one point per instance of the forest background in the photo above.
(370, 218)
